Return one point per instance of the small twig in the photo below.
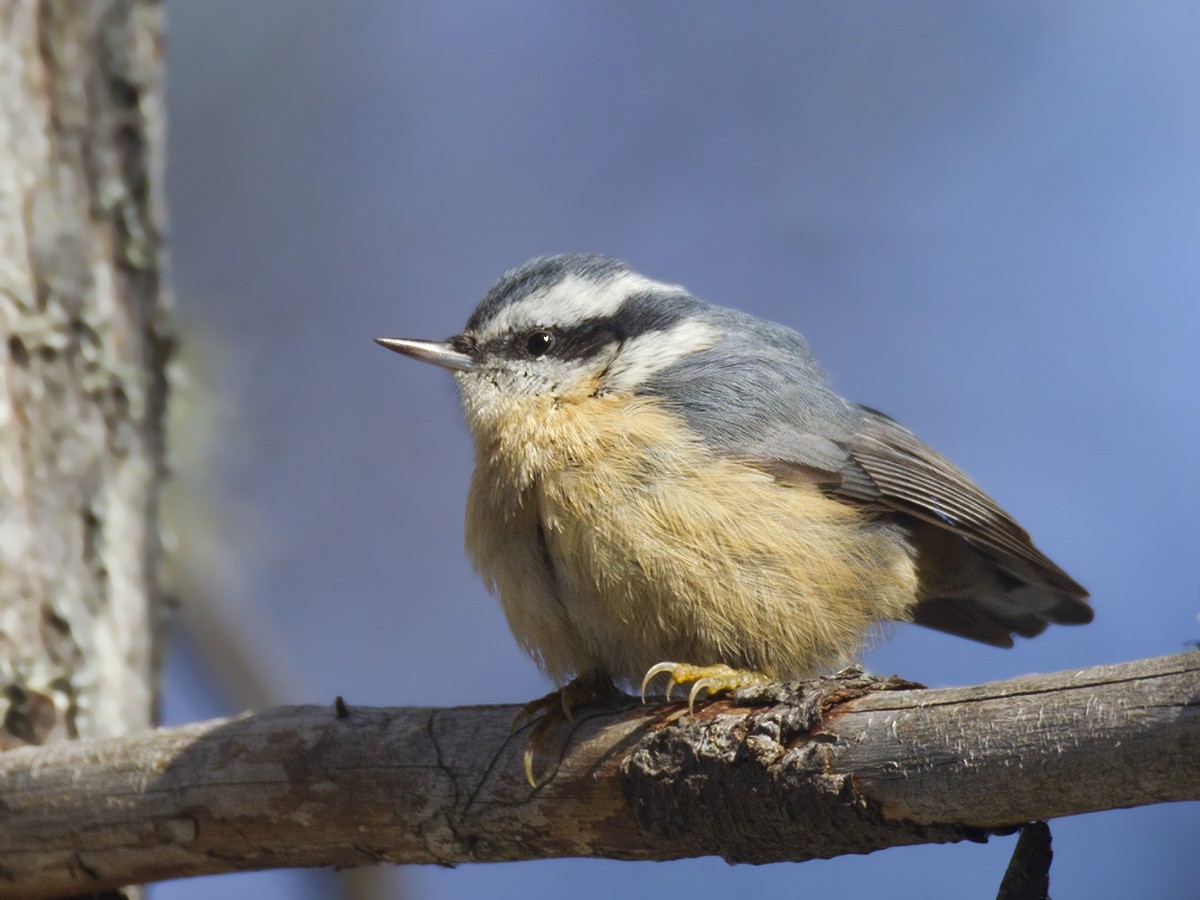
(1028, 873)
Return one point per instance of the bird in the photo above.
(664, 486)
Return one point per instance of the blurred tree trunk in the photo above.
(82, 368)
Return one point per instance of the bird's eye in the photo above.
(538, 343)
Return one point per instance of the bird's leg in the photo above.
(711, 679)
(557, 707)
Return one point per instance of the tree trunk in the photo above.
(82, 371)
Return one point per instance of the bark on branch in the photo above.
(843, 765)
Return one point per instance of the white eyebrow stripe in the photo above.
(644, 356)
(572, 300)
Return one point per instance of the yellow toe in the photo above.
(710, 679)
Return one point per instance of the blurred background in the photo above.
(984, 216)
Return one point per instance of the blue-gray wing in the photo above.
(758, 395)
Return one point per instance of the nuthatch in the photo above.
(664, 485)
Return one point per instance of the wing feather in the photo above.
(981, 575)
(912, 478)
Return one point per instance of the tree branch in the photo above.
(848, 764)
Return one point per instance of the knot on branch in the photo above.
(749, 777)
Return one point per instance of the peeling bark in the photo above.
(842, 765)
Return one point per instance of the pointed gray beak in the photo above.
(440, 353)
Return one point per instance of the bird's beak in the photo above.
(440, 353)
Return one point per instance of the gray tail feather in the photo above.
(993, 597)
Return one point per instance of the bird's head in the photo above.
(564, 328)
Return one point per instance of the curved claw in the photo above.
(536, 738)
(527, 760)
(712, 679)
(558, 706)
(704, 684)
(658, 669)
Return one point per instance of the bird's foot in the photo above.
(711, 679)
(557, 707)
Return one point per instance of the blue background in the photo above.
(983, 216)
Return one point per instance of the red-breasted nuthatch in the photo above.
(664, 485)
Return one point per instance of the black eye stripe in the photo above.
(585, 339)
(577, 342)
(639, 314)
